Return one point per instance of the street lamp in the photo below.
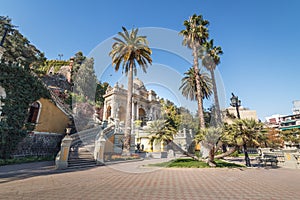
(235, 102)
(60, 55)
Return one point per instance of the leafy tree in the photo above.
(291, 136)
(171, 114)
(210, 60)
(77, 62)
(274, 138)
(22, 89)
(127, 52)
(86, 80)
(194, 36)
(100, 91)
(18, 48)
(188, 120)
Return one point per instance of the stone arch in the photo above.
(142, 116)
(108, 112)
(34, 112)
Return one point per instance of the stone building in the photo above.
(245, 113)
(145, 107)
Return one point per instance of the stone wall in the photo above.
(39, 144)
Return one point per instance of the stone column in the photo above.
(99, 149)
(61, 160)
(289, 159)
(132, 143)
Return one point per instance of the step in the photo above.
(80, 160)
(81, 166)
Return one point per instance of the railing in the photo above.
(60, 104)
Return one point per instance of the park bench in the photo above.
(267, 158)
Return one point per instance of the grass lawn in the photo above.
(190, 163)
(25, 160)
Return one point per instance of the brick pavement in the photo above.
(118, 182)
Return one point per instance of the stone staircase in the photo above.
(83, 145)
(82, 158)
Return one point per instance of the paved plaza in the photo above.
(134, 180)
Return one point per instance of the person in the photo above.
(138, 147)
(142, 147)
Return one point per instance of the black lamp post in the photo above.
(235, 102)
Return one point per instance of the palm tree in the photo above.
(194, 36)
(210, 60)
(243, 132)
(126, 52)
(188, 85)
(161, 132)
(209, 137)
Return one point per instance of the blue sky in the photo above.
(259, 38)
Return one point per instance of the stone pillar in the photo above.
(99, 149)
(289, 159)
(61, 160)
(132, 143)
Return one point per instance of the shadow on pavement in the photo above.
(10, 173)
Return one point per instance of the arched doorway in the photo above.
(142, 116)
(34, 112)
(108, 112)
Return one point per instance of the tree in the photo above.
(77, 62)
(22, 89)
(210, 60)
(100, 91)
(84, 94)
(209, 137)
(160, 132)
(86, 80)
(171, 114)
(189, 90)
(194, 36)
(274, 138)
(18, 49)
(126, 52)
(291, 136)
(243, 132)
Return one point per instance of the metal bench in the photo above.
(268, 158)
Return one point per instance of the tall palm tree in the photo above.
(126, 52)
(194, 36)
(210, 60)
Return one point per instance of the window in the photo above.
(34, 112)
